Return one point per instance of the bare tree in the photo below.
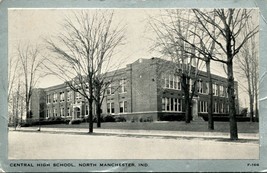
(15, 106)
(230, 23)
(30, 63)
(169, 28)
(101, 84)
(204, 50)
(83, 50)
(255, 85)
(13, 76)
(248, 66)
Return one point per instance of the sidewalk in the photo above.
(155, 133)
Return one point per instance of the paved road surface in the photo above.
(40, 145)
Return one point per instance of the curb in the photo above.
(156, 133)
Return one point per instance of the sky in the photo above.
(32, 26)
(35, 25)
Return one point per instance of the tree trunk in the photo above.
(251, 105)
(187, 108)
(27, 104)
(98, 114)
(90, 101)
(186, 89)
(17, 109)
(231, 94)
(98, 102)
(250, 91)
(27, 110)
(210, 100)
(90, 117)
(256, 106)
(21, 111)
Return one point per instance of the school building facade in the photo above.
(147, 88)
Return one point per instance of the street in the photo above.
(41, 145)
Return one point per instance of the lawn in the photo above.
(243, 127)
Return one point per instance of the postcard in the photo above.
(147, 86)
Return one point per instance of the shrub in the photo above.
(120, 119)
(145, 119)
(66, 121)
(148, 119)
(95, 119)
(59, 119)
(51, 119)
(109, 118)
(171, 117)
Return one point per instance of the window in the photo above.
(216, 107)
(110, 108)
(78, 96)
(205, 109)
(227, 109)
(123, 86)
(175, 82)
(179, 105)
(163, 104)
(203, 106)
(77, 110)
(54, 112)
(68, 111)
(172, 107)
(178, 82)
(68, 96)
(175, 105)
(200, 87)
(62, 112)
(110, 89)
(222, 108)
(168, 104)
(171, 104)
(207, 88)
(48, 98)
(167, 82)
(123, 106)
(62, 96)
(55, 97)
(222, 91)
(47, 113)
(215, 89)
(171, 81)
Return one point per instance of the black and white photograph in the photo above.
(129, 87)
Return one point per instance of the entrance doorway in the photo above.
(77, 112)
